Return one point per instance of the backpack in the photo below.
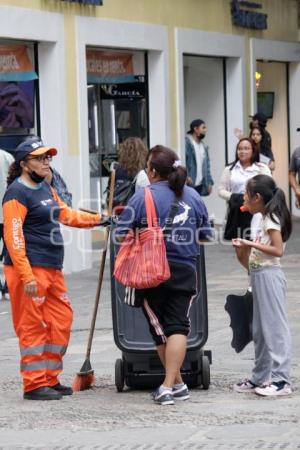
(124, 189)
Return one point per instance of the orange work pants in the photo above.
(42, 324)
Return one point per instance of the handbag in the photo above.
(141, 262)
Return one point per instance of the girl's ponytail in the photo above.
(277, 207)
(274, 200)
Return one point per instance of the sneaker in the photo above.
(245, 386)
(274, 388)
(163, 396)
(180, 392)
(6, 296)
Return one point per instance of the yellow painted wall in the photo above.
(207, 15)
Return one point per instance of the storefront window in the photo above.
(18, 82)
(117, 109)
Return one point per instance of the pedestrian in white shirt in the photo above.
(232, 188)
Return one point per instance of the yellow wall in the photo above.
(207, 15)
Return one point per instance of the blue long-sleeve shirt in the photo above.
(189, 225)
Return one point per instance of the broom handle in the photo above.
(111, 193)
(101, 270)
(97, 297)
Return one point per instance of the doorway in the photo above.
(117, 109)
(205, 98)
(273, 83)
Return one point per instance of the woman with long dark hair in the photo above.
(166, 307)
(271, 334)
(232, 188)
(265, 153)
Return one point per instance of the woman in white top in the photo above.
(232, 189)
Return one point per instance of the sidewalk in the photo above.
(101, 418)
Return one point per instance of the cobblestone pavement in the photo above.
(101, 418)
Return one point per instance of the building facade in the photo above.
(102, 71)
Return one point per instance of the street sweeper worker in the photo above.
(41, 310)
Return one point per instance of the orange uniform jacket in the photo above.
(31, 230)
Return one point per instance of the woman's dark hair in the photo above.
(274, 200)
(255, 152)
(14, 171)
(162, 159)
(256, 128)
(263, 146)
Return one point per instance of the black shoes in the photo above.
(48, 393)
(63, 390)
(43, 393)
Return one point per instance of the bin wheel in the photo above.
(119, 375)
(205, 366)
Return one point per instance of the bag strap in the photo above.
(150, 208)
(151, 213)
(169, 222)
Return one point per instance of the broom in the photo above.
(85, 377)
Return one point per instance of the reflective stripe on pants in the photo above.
(42, 324)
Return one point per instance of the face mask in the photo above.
(35, 177)
(201, 136)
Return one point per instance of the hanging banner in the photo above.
(15, 64)
(104, 67)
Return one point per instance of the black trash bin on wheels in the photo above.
(139, 367)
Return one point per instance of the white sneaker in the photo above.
(6, 296)
(274, 389)
(245, 386)
(181, 392)
(163, 396)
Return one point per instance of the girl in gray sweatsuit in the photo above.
(271, 334)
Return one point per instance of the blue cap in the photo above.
(33, 146)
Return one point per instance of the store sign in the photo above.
(127, 90)
(107, 67)
(247, 18)
(86, 2)
(15, 64)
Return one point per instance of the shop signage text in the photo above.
(126, 90)
(248, 19)
(86, 2)
(105, 67)
(15, 64)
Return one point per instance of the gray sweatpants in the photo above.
(271, 334)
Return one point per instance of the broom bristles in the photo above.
(83, 382)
